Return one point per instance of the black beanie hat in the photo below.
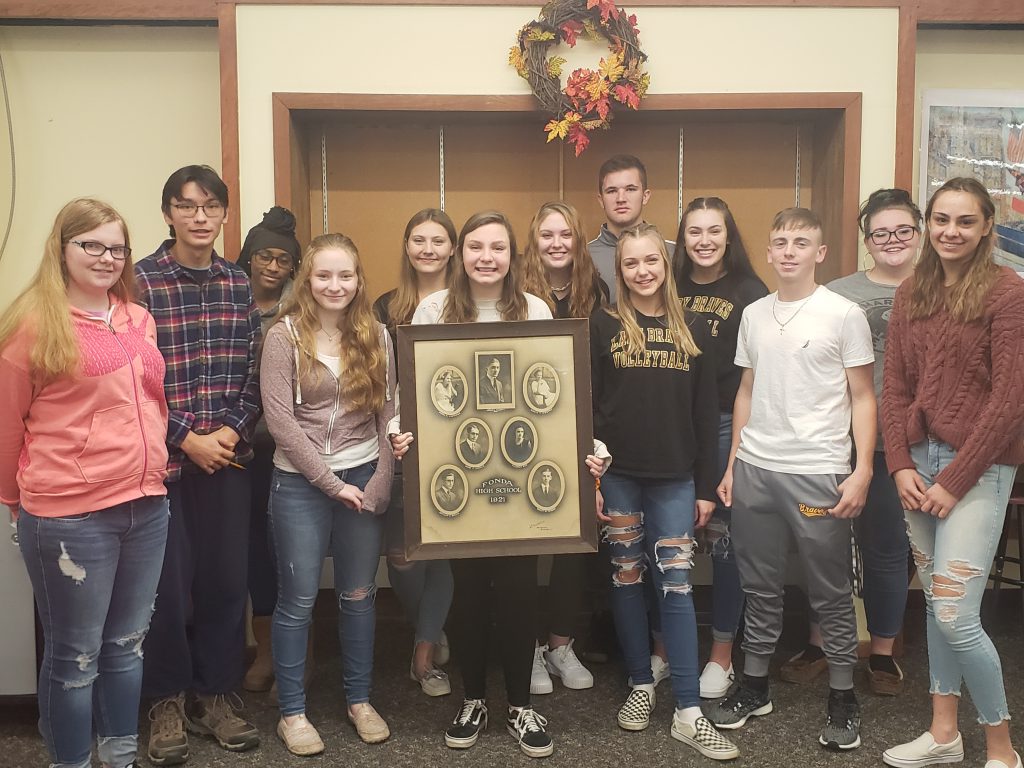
(277, 230)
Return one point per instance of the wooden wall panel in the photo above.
(378, 175)
(501, 164)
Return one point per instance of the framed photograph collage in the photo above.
(502, 417)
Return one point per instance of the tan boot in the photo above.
(261, 674)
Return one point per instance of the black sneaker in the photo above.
(527, 728)
(466, 726)
(741, 703)
(842, 726)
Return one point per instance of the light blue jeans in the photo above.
(652, 523)
(94, 577)
(305, 524)
(959, 550)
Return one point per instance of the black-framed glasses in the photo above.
(883, 236)
(92, 248)
(188, 210)
(264, 259)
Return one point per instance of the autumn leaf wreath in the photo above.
(589, 97)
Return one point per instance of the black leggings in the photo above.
(508, 586)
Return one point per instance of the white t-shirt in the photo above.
(430, 309)
(800, 408)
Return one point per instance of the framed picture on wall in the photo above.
(980, 134)
(501, 413)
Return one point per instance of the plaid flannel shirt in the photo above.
(210, 336)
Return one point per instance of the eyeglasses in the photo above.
(883, 236)
(188, 210)
(92, 248)
(265, 258)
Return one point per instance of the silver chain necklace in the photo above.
(782, 326)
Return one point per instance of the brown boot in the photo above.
(261, 674)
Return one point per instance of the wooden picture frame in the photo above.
(475, 479)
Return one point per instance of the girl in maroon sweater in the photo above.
(953, 416)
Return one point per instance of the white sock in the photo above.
(689, 715)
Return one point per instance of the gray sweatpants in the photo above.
(769, 510)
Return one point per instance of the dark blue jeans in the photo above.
(94, 577)
(726, 592)
(652, 523)
(881, 532)
(306, 525)
(197, 640)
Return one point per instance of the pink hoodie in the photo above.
(94, 440)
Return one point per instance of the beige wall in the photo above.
(462, 50)
(107, 112)
(969, 60)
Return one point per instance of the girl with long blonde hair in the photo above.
(82, 466)
(424, 588)
(953, 420)
(328, 392)
(655, 400)
(559, 263)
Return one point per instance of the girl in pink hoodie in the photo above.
(82, 464)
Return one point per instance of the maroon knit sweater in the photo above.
(962, 383)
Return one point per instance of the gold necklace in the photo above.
(782, 326)
(330, 338)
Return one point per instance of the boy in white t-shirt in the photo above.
(807, 357)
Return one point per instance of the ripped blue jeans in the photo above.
(953, 557)
(652, 523)
(306, 526)
(94, 577)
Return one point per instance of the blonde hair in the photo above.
(43, 306)
(583, 277)
(675, 317)
(406, 297)
(459, 307)
(364, 362)
(965, 300)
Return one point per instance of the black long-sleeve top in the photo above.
(657, 410)
(722, 303)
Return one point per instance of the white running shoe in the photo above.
(540, 681)
(562, 662)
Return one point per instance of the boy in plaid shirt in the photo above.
(208, 329)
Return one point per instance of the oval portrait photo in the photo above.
(518, 441)
(448, 390)
(540, 388)
(546, 486)
(448, 490)
(474, 443)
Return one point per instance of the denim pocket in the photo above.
(72, 518)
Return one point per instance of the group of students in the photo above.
(139, 468)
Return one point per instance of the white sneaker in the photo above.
(715, 681)
(540, 681)
(704, 737)
(659, 668)
(924, 750)
(1001, 764)
(562, 662)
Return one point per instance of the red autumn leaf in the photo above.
(601, 106)
(570, 32)
(607, 7)
(632, 23)
(626, 95)
(578, 138)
